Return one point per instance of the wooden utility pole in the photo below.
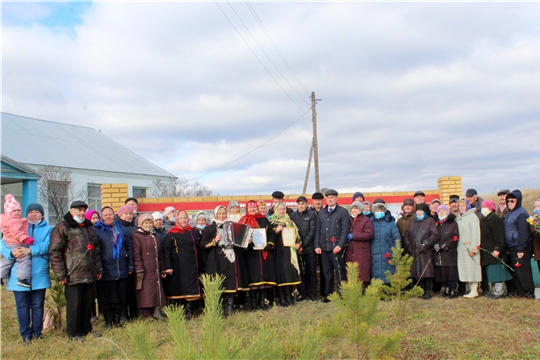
(308, 167)
(315, 144)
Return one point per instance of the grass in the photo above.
(439, 328)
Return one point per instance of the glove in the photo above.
(349, 236)
(29, 241)
(140, 277)
(436, 247)
(268, 247)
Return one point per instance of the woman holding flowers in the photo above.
(446, 271)
(468, 253)
(287, 267)
(494, 247)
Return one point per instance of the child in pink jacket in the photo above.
(15, 233)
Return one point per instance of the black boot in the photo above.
(230, 304)
(262, 299)
(118, 309)
(253, 299)
(283, 297)
(108, 315)
(453, 293)
(445, 293)
(222, 306)
(241, 300)
(428, 289)
(289, 295)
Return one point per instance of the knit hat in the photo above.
(124, 209)
(358, 204)
(168, 210)
(142, 218)
(10, 204)
(89, 214)
(35, 206)
(489, 204)
(443, 207)
(357, 194)
(157, 215)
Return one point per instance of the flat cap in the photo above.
(436, 200)
(503, 192)
(331, 192)
(454, 198)
(317, 196)
(278, 195)
(78, 204)
(419, 193)
(471, 192)
(408, 201)
(301, 198)
(379, 201)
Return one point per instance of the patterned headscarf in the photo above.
(286, 221)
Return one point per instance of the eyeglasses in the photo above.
(511, 200)
(183, 217)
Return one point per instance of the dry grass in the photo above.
(529, 196)
(439, 328)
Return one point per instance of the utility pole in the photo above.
(315, 144)
(308, 167)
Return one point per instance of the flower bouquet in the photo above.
(534, 221)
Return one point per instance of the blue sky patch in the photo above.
(50, 14)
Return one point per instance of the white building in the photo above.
(89, 157)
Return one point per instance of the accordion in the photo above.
(234, 234)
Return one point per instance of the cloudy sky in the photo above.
(410, 91)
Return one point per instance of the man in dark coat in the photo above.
(75, 260)
(331, 239)
(476, 202)
(306, 221)
(277, 197)
(502, 209)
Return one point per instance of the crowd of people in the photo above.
(134, 264)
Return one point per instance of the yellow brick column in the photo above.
(113, 195)
(449, 185)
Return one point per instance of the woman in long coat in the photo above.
(181, 263)
(287, 266)
(149, 267)
(419, 240)
(224, 260)
(359, 247)
(385, 235)
(445, 252)
(469, 268)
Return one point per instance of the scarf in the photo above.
(286, 221)
(117, 237)
(251, 219)
(176, 229)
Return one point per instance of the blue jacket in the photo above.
(385, 234)
(114, 269)
(516, 228)
(40, 259)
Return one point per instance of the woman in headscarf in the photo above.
(260, 263)
(224, 260)
(359, 247)
(468, 256)
(287, 267)
(199, 222)
(93, 216)
(263, 208)
(124, 216)
(149, 267)
(117, 261)
(182, 264)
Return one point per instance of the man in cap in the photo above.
(502, 210)
(454, 206)
(277, 197)
(476, 202)
(75, 260)
(331, 239)
(407, 216)
(433, 209)
(306, 222)
(419, 197)
(317, 200)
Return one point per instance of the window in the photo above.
(94, 197)
(57, 200)
(139, 192)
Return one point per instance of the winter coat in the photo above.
(419, 240)
(68, 251)
(536, 243)
(448, 242)
(469, 268)
(307, 226)
(14, 229)
(403, 223)
(40, 259)
(113, 269)
(359, 248)
(492, 238)
(516, 228)
(161, 233)
(385, 235)
(148, 260)
(330, 226)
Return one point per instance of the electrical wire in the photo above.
(257, 148)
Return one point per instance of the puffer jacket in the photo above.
(40, 259)
(68, 251)
(385, 235)
(113, 269)
(306, 223)
(516, 228)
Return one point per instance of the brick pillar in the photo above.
(113, 195)
(449, 185)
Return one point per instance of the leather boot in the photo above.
(262, 299)
(474, 291)
(108, 315)
(230, 304)
(118, 311)
(189, 309)
(289, 295)
(453, 293)
(283, 297)
(253, 299)
(445, 292)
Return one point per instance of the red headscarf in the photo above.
(250, 219)
(176, 228)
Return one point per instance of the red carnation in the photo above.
(389, 262)
(387, 255)
(478, 247)
(90, 247)
(436, 223)
(333, 239)
(455, 238)
(518, 265)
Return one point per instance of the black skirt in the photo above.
(111, 292)
(446, 273)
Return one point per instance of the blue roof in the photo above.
(40, 142)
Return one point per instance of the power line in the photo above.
(259, 21)
(258, 147)
(269, 73)
(265, 54)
